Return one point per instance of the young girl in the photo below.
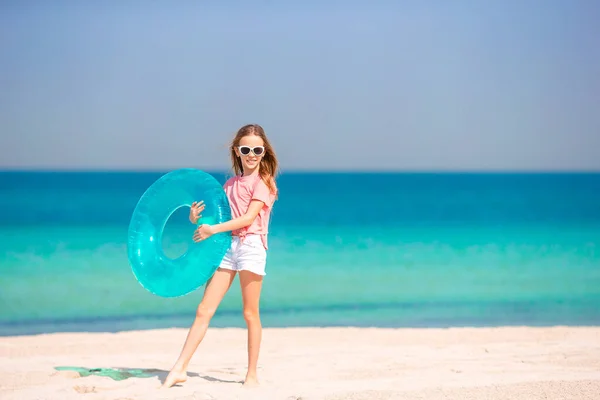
(251, 193)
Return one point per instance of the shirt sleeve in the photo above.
(262, 192)
(227, 185)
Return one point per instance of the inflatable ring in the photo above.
(157, 273)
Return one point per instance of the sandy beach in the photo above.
(312, 363)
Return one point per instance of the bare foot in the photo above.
(174, 377)
(250, 381)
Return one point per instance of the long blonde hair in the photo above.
(269, 166)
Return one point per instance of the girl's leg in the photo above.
(213, 294)
(251, 286)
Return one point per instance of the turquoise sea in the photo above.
(359, 249)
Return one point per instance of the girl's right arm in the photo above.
(195, 210)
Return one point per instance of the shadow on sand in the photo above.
(120, 374)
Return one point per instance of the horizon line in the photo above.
(68, 170)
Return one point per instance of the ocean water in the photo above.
(358, 249)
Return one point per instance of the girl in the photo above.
(251, 193)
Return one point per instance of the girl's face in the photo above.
(251, 150)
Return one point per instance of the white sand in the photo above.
(313, 363)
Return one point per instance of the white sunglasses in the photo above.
(257, 150)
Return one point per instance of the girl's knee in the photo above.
(204, 313)
(251, 315)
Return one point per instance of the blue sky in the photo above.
(382, 85)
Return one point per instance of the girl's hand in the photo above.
(195, 210)
(203, 232)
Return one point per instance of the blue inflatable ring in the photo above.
(157, 273)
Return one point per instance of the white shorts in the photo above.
(250, 255)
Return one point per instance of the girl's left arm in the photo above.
(240, 222)
(205, 231)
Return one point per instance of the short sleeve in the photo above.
(261, 192)
(228, 183)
